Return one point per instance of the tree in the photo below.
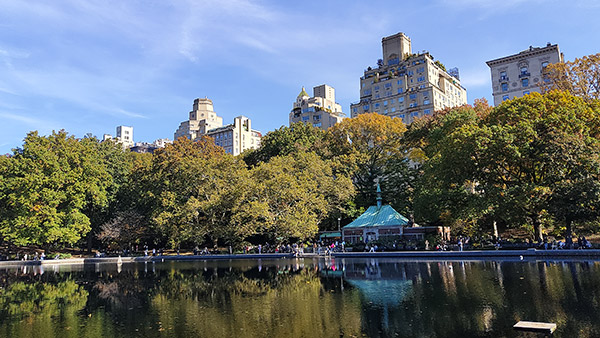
(45, 188)
(122, 231)
(285, 141)
(361, 147)
(290, 195)
(195, 187)
(522, 151)
(580, 77)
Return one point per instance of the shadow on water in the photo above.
(300, 298)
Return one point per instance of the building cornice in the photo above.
(522, 55)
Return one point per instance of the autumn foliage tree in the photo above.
(361, 148)
(580, 77)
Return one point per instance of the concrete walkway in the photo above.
(478, 254)
(429, 255)
(141, 259)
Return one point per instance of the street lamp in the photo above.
(339, 230)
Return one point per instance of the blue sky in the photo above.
(88, 66)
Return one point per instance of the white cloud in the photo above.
(31, 122)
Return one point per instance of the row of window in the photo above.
(524, 84)
(524, 70)
(505, 97)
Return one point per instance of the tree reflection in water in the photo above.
(302, 298)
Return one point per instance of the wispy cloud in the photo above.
(31, 122)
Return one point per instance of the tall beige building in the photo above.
(320, 111)
(202, 119)
(520, 74)
(407, 85)
(234, 138)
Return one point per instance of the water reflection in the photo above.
(316, 298)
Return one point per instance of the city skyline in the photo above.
(88, 67)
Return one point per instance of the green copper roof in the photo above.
(384, 216)
(303, 92)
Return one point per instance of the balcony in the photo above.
(522, 75)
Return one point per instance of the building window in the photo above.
(376, 88)
(523, 70)
(421, 79)
(376, 96)
(544, 65)
(505, 97)
(504, 87)
(503, 76)
(366, 107)
(399, 82)
(420, 69)
(317, 117)
(367, 92)
(415, 114)
(427, 111)
(305, 118)
(412, 96)
(401, 116)
(317, 125)
(354, 109)
(526, 92)
(525, 82)
(400, 90)
(400, 99)
(393, 109)
(426, 101)
(385, 103)
(376, 105)
(385, 112)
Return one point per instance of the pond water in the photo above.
(300, 298)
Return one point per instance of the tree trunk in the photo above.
(569, 232)
(495, 230)
(537, 229)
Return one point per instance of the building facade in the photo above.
(236, 137)
(124, 136)
(203, 121)
(202, 118)
(520, 74)
(320, 111)
(407, 85)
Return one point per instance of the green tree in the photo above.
(285, 141)
(195, 187)
(515, 158)
(444, 173)
(290, 195)
(361, 148)
(46, 187)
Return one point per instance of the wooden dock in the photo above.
(539, 327)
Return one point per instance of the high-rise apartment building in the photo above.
(321, 110)
(125, 136)
(202, 119)
(234, 138)
(407, 85)
(520, 74)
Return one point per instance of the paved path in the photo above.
(479, 254)
(429, 255)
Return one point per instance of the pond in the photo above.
(300, 298)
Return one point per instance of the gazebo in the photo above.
(378, 221)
